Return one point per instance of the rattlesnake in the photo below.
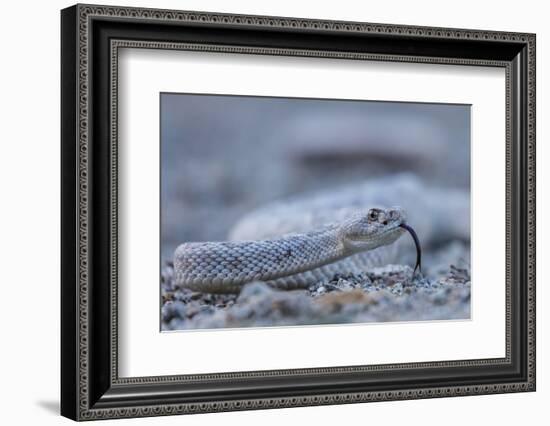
(294, 243)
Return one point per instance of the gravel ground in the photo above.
(389, 293)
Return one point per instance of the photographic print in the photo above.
(290, 211)
(269, 183)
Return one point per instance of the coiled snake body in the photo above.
(295, 243)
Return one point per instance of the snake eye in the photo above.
(373, 214)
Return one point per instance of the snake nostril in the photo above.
(385, 222)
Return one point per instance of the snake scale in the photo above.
(296, 242)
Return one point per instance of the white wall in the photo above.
(29, 225)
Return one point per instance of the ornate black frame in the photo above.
(91, 37)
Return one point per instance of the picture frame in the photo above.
(91, 387)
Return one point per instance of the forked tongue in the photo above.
(417, 244)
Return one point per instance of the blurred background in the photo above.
(222, 156)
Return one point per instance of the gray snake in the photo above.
(294, 243)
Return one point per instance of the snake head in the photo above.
(378, 227)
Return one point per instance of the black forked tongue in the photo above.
(418, 248)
